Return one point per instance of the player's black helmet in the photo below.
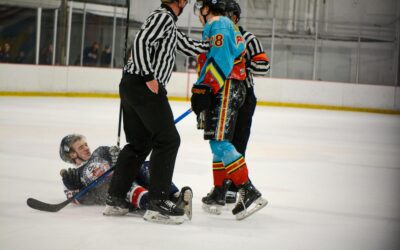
(233, 8)
(217, 6)
(66, 144)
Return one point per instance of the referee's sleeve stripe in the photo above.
(162, 26)
(189, 46)
(183, 45)
(155, 28)
(254, 47)
(259, 67)
(166, 62)
(145, 45)
(137, 49)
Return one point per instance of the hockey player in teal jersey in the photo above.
(227, 45)
(218, 94)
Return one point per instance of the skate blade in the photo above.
(137, 212)
(254, 207)
(188, 196)
(156, 217)
(229, 206)
(188, 211)
(115, 211)
(212, 209)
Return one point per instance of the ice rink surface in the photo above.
(332, 180)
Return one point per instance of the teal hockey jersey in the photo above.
(225, 57)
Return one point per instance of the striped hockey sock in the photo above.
(237, 171)
(139, 197)
(219, 173)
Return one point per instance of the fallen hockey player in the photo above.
(88, 166)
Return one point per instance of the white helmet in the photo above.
(66, 144)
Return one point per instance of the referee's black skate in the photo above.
(250, 201)
(230, 197)
(215, 200)
(116, 206)
(185, 201)
(164, 211)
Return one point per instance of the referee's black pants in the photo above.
(149, 127)
(243, 125)
(244, 121)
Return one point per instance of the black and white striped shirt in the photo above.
(253, 48)
(155, 45)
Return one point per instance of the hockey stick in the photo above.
(47, 207)
(179, 118)
(128, 4)
(43, 206)
(119, 124)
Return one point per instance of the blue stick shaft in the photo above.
(183, 115)
(93, 184)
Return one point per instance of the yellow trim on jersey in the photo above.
(216, 75)
(223, 111)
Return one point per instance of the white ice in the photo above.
(331, 179)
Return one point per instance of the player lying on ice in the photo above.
(88, 166)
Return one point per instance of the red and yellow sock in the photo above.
(219, 173)
(237, 171)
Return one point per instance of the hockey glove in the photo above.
(72, 179)
(201, 120)
(201, 98)
(114, 152)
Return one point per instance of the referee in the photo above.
(257, 63)
(147, 116)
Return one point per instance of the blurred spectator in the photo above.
(46, 55)
(21, 58)
(105, 60)
(91, 54)
(6, 53)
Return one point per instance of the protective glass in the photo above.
(197, 7)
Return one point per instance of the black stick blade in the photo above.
(42, 206)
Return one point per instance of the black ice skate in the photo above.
(185, 201)
(215, 200)
(164, 211)
(250, 201)
(115, 206)
(230, 197)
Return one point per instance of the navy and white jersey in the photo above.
(257, 62)
(154, 48)
(101, 160)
